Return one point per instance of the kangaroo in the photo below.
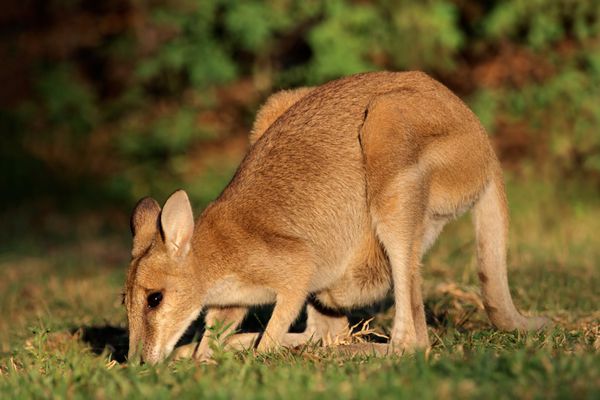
(345, 187)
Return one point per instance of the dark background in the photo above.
(103, 102)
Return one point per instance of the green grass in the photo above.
(555, 250)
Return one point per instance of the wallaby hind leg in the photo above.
(491, 228)
(398, 194)
(432, 229)
(398, 220)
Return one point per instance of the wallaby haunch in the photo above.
(345, 187)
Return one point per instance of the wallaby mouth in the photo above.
(152, 358)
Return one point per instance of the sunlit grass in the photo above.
(45, 302)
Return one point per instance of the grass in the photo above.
(62, 324)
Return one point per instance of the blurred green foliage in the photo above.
(127, 102)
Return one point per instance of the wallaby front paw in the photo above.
(185, 351)
(192, 350)
(266, 345)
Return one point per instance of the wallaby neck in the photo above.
(224, 264)
(215, 253)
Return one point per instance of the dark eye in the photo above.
(154, 299)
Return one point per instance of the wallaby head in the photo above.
(161, 284)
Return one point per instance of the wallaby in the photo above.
(345, 187)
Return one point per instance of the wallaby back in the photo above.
(273, 108)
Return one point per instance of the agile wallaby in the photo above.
(347, 185)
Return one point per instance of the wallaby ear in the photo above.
(144, 224)
(177, 224)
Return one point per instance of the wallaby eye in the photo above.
(154, 299)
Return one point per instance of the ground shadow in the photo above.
(110, 339)
(114, 340)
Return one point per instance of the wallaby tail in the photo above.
(491, 229)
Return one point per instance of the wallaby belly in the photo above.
(366, 279)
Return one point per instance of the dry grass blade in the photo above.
(357, 333)
(111, 364)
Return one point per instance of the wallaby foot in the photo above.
(418, 310)
(363, 349)
(238, 341)
(185, 351)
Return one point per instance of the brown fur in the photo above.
(345, 188)
(273, 108)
